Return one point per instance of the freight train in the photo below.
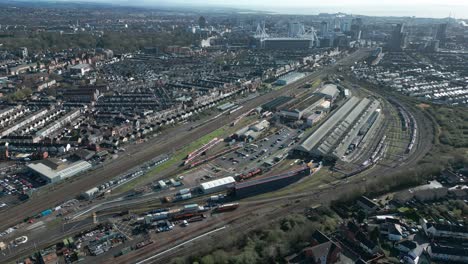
(249, 175)
(270, 183)
(226, 207)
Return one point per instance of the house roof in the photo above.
(454, 251)
(395, 229)
(368, 202)
(320, 237)
(353, 227)
(365, 241)
(408, 244)
(449, 228)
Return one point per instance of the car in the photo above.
(3, 205)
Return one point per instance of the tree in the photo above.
(361, 216)
(208, 259)
(375, 234)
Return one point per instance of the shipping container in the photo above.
(191, 207)
(183, 191)
(160, 216)
(46, 212)
(186, 196)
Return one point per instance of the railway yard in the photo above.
(225, 172)
(198, 133)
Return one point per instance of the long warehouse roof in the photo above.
(323, 130)
(343, 127)
(217, 183)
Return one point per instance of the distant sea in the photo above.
(440, 11)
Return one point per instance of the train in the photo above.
(191, 156)
(195, 164)
(226, 207)
(143, 244)
(249, 175)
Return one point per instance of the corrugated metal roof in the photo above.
(217, 183)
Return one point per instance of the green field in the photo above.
(453, 125)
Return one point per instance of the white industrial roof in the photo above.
(43, 170)
(329, 89)
(68, 171)
(217, 183)
(80, 66)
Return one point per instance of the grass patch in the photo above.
(315, 84)
(54, 223)
(453, 123)
(403, 209)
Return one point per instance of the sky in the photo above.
(419, 8)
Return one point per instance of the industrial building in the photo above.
(268, 184)
(299, 109)
(286, 43)
(330, 91)
(276, 103)
(251, 132)
(335, 136)
(217, 185)
(53, 170)
(289, 78)
(81, 69)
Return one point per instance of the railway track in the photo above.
(169, 140)
(172, 138)
(164, 143)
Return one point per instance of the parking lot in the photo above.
(263, 152)
(14, 184)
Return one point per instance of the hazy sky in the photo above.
(420, 8)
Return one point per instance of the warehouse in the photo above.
(343, 145)
(53, 170)
(217, 185)
(289, 78)
(251, 132)
(330, 91)
(268, 184)
(299, 109)
(335, 136)
(276, 103)
(313, 140)
(338, 132)
(286, 43)
(260, 126)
